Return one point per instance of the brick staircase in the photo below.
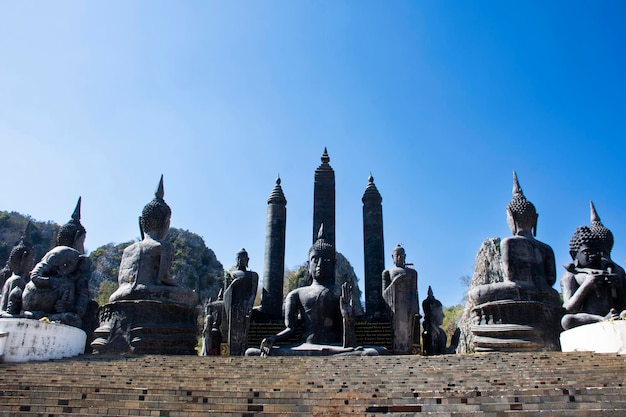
(488, 385)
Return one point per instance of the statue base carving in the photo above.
(33, 340)
(601, 337)
(146, 327)
(516, 326)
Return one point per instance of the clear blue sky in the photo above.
(439, 100)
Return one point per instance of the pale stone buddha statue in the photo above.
(528, 265)
(400, 295)
(327, 315)
(144, 269)
(21, 261)
(59, 286)
(593, 286)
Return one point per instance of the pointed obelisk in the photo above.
(324, 200)
(274, 269)
(373, 251)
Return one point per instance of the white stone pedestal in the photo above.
(602, 337)
(33, 340)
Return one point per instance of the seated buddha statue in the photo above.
(59, 286)
(21, 261)
(593, 285)
(528, 265)
(326, 314)
(145, 265)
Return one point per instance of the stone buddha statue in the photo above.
(513, 307)
(238, 302)
(528, 265)
(59, 286)
(21, 261)
(400, 295)
(149, 312)
(434, 337)
(326, 314)
(144, 269)
(593, 286)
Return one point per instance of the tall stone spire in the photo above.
(373, 250)
(324, 200)
(274, 269)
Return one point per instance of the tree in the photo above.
(451, 317)
(104, 292)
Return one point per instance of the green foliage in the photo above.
(12, 226)
(104, 292)
(296, 279)
(105, 262)
(194, 266)
(451, 317)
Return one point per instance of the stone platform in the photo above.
(602, 337)
(494, 384)
(34, 340)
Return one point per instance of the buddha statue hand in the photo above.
(345, 301)
(266, 345)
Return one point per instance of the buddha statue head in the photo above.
(242, 260)
(322, 260)
(399, 256)
(521, 213)
(433, 309)
(604, 235)
(155, 216)
(72, 233)
(22, 257)
(589, 246)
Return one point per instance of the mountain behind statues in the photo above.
(195, 265)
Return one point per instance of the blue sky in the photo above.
(441, 101)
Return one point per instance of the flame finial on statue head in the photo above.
(602, 233)
(322, 246)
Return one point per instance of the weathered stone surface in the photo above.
(238, 301)
(149, 312)
(274, 265)
(324, 200)
(327, 316)
(373, 251)
(434, 339)
(525, 295)
(593, 286)
(401, 298)
(59, 286)
(487, 270)
(34, 340)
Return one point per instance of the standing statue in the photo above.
(21, 261)
(434, 337)
(593, 286)
(59, 286)
(400, 295)
(149, 312)
(519, 310)
(238, 302)
(211, 334)
(327, 315)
